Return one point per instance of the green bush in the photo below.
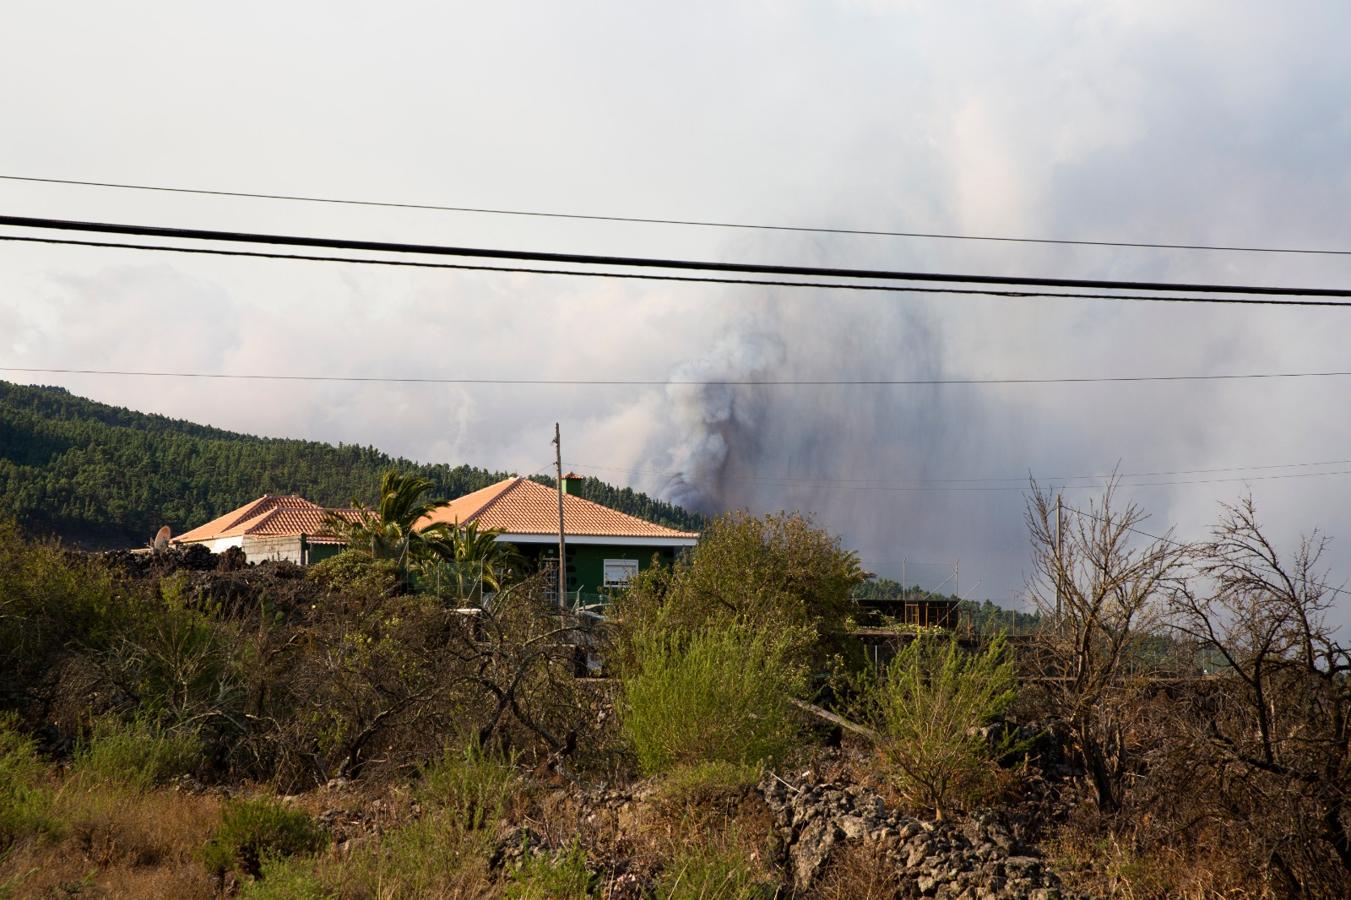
(254, 830)
(140, 753)
(355, 571)
(50, 599)
(544, 876)
(716, 694)
(705, 872)
(929, 706)
(773, 573)
(24, 802)
(470, 785)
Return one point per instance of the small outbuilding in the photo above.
(275, 526)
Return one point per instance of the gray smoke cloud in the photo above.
(719, 424)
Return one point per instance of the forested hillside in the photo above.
(101, 475)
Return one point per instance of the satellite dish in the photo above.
(162, 538)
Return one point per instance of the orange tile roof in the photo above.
(522, 506)
(271, 515)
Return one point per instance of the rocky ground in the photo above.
(976, 858)
(817, 822)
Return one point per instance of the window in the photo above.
(619, 572)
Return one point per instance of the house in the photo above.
(605, 548)
(275, 526)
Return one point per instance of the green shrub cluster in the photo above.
(772, 573)
(140, 754)
(719, 693)
(929, 705)
(254, 830)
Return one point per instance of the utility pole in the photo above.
(562, 549)
(1059, 553)
(905, 590)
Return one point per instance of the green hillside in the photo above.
(104, 476)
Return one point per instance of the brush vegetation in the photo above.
(344, 732)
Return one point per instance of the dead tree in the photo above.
(1282, 737)
(1100, 585)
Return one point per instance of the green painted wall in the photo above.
(586, 562)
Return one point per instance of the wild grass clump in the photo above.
(719, 693)
(427, 857)
(469, 785)
(444, 853)
(25, 803)
(286, 878)
(705, 872)
(929, 705)
(544, 876)
(253, 830)
(139, 754)
(705, 785)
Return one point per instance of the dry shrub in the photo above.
(1134, 855)
(860, 871)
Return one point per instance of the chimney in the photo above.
(572, 483)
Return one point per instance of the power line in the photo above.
(348, 244)
(699, 223)
(961, 485)
(695, 279)
(1023, 479)
(642, 382)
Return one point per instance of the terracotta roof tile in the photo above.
(270, 515)
(522, 506)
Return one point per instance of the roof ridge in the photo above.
(260, 520)
(572, 499)
(242, 514)
(509, 485)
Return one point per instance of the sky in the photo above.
(1213, 123)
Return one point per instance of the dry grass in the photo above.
(117, 843)
(1095, 859)
(860, 872)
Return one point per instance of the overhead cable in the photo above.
(964, 485)
(693, 279)
(1022, 479)
(632, 262)
(699, 223)
(665, 382)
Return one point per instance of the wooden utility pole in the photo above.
(562, 548)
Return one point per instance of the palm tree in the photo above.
(470, 560)
(389, 531)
